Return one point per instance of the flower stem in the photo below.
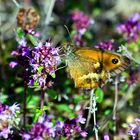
(42, 99)
(16, 3)
(49, 12)
(115, 104)
(92, 109)
(24, 103)
(94, 114)
(89, 110)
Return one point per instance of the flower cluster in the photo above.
(82, 23)
(81, 20)
(44, 61)
(39, 59)
(107, 45)
(131, 28)
(134, 76)
(44, 129)
(135, 128)
(8, 119)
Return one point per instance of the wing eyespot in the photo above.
(115, 60)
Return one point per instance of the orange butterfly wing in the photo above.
(85, 71)
(90, 68)
(106, 58)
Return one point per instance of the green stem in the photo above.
(42, 99)
(49, 12)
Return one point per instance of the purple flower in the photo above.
(40, 60)
(26, 136)
(3, 107)
(21, 42)
(81, 20)
(5, 132)
(44, 61)
(134, 128)
(106, 137)
(84, 134)
(12, 64)
(81, 120)
(37, 129)
(14, 53)
(45, 129)
(8, 119)
(78, 40)
(107, 45)
(131, 28)
(14, 109)
(134, 76)
(22, 53)
(34, 33)
(72, 127)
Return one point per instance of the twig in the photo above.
(115, 105)
(24, 103)
(125, 98)
(94, 115)
(16, 3)
(92, 110)
(116, 99)
(48, 18)
(104, 122)
(89, 109)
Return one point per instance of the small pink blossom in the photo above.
(12, 64)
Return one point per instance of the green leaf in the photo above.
(32, 101)
(33, 39)
(99, 95)
(62, 138)
(20, 33)
(52, 93)
(107, 112)
(88, 35)
(125, 87)
(63, 107)
(53, 75)
(3, 97)
(78, 98)
(40, 69)
(36, 85)
(19, 90)
(38, 113)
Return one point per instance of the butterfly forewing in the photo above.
(86, 72)
(90, 67)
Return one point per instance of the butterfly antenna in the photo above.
(68, 32)
(61, 67)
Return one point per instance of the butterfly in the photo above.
(91, 67)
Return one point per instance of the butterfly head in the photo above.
(68, 48)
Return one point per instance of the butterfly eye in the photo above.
(115, 61)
